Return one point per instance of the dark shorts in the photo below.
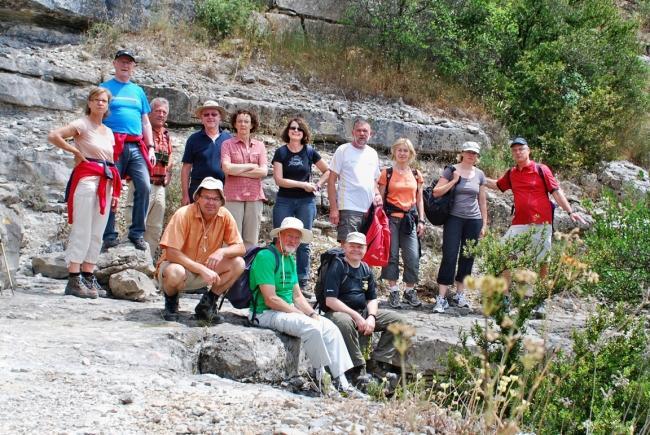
(349, 221)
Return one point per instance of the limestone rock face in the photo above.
(328, 10)
(75, 14)
(251, 354)
(51, 265)
(123, 257)
(621, 174)
(131, 285)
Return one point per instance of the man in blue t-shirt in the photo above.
(202, 155)
(134, 146)
(350, 294)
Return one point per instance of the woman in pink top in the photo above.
(244, 161)
(93, 180)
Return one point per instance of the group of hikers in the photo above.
(123, 136)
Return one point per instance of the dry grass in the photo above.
(355, 73)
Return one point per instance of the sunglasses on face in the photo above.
(296, 128)
(211, 115)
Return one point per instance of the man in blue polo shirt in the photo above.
(134, 147)
(202, 155)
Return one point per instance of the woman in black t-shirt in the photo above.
(292, 165)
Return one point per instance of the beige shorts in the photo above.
(541, 237)
(193, 280)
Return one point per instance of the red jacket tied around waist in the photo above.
(122, 138)
(93, 169)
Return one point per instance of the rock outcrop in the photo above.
(132, 285)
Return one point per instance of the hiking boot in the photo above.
(460, 300)
(110, 243)
(539, 312)
(441, 305)
(411, 297)
(77, 287)
(358, 377)
(393, 299)
(207, 310)
(171, 308)
(94, 284)
(352, 393)
(139, 244)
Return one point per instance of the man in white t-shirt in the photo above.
(352, 185)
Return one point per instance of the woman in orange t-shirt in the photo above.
(401, 188)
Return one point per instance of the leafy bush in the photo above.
(603, 386)
(515, 383)
(223, 17)
(618, 248)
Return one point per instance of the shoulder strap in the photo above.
(277, 259)
(283, 153)
(540, 171)
(310, 153)
(389, 175)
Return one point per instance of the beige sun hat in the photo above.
(356, 237)
(211, 104)
(209, 183)
(293, 224)
(472, 146)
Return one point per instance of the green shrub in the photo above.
(223, 17)
(511, 382)
(618, 248)
(564, 74)
(603, 386)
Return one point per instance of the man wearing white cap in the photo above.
(350, 294)
(283, 308)
(201, 247)
(202, 155)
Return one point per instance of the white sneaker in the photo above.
(460, 300)
(441, 305)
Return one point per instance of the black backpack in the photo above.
(240, 294)
(327, 258)
(437, 209)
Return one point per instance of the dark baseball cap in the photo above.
(518, 141)
(126, 53)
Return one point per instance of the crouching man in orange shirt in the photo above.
(200, 247)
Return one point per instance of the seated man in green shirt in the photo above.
(283, 308)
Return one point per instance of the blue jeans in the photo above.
(132, 163)
(455, 234)
(305, 210)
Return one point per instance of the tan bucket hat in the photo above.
(211, 104)
(209, 183)
(294, 224)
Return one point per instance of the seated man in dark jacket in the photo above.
(351, 303)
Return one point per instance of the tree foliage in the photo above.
(565, 74)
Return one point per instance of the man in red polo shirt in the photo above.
(533, 208)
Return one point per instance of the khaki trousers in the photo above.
(357, 343)
(248, 215)
(155, 215)
(88, 224)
